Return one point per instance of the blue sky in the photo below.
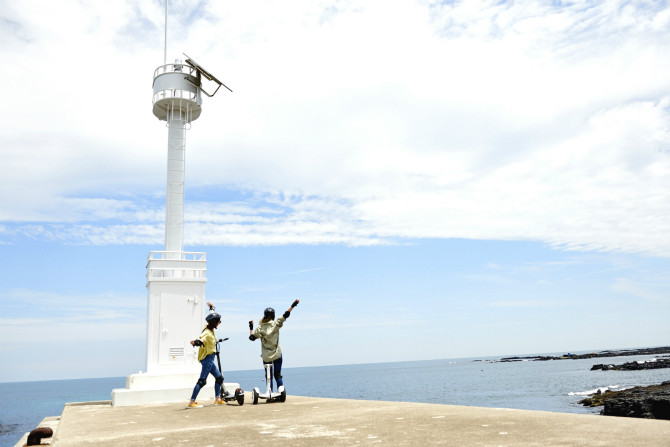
(432, 180)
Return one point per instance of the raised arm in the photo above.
(288, 312)
(252, 337)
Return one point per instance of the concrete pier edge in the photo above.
(51, 422)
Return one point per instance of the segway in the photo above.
(269, 395)
(225, 395)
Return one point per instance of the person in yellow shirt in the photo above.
(206, 354)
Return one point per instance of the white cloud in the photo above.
(351, 122)
(523, 304)
(634, 288)
(70, 335)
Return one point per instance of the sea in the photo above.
(555, 385)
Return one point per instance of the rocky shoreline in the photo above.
(568, 356)
(651, 402)
(634, 366)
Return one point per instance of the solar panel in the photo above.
(205, 73)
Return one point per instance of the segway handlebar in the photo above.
(222, 339)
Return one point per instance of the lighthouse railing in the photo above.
(176, 265)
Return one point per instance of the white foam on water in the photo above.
(642, 362)
(601, 389)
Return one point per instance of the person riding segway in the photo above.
(268, 332)
(208, 349)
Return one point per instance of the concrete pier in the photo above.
(308, 421)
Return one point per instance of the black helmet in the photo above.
(213, 317)
(269, 314)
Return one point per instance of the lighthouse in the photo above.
(175, 279)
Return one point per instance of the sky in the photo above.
(431, 179)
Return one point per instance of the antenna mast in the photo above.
(165, 40)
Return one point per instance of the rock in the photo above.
(35, 437)
(651, 402)
(634, 366)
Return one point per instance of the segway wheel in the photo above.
(282, 396)
(239, 396)
(254, 395)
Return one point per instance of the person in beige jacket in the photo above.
(268, 332)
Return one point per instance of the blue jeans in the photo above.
(276, 365)
(208, 367)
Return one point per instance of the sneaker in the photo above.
(194, 405)
(219, 402)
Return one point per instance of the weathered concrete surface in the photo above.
(303, 421)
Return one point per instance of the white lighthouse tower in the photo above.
(175, 278)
